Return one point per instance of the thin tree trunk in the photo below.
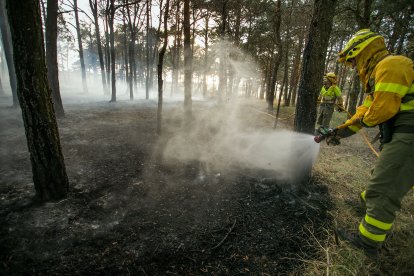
(286, 99)
(206, 69)
(231, 85)
(147, 81)
(295, 72)
(348, 94)
(277, 58)
(107, 46)
(43, 17)
(176, 47)
(94, 7)
(48, 167)
(188, 61)
(159, 67)
(79, 36)
(262, 88)
(1, 88)
(8, 50)
(51, 56)
(112, 43)
(222, 87)
(132, 66)
(128, 75)
(353, 97)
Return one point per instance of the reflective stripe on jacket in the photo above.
(330, 95)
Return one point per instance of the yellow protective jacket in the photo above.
(391, 93)
(330, 95)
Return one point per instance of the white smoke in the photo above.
(221, 138)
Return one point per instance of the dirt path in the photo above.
(129, 212)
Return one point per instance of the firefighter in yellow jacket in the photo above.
(389, 104)
(329, 96)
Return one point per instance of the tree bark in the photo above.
(222, 86)
(353, 96)
(159, 68)
(49, 173)
(206, 69)
(295, 72)
(8, 50)
(312, 66)
(112, 45)
(128, 75)
(147, 80)
(94, 8)
(188, 61)
(51, 56)
(177, 48)
(286, 98)
(79, 36)
(107, 46)
(270, 97)
(132, 65)
(1, 88)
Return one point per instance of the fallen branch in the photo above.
(225, 237)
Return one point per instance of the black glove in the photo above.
(333, 140)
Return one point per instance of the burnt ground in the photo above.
(128, 212)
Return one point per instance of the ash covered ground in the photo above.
(133, 210)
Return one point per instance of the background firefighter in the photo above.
(329, 96)
(389, 104)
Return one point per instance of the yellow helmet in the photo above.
(331, 77)
(357, 43)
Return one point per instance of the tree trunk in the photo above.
(177, 47)
(222, 86)
(94, 7)
(232, 88)
(270, 97)
(295, 72)
(51, 56)
(128, 75)
(188, 61)
(107, 46)
(132, 66)
(112, 44)
(262, 88)
(312, 66)
(79, 36)
(147, 80)
(159, 68)
(49, 173)
(286, 99)
(353, 96)
(8, 50)
(206, 69)
(1, 88)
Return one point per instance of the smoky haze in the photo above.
(222, 140)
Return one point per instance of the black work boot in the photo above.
(356, 241)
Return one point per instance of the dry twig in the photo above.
(225, 237)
